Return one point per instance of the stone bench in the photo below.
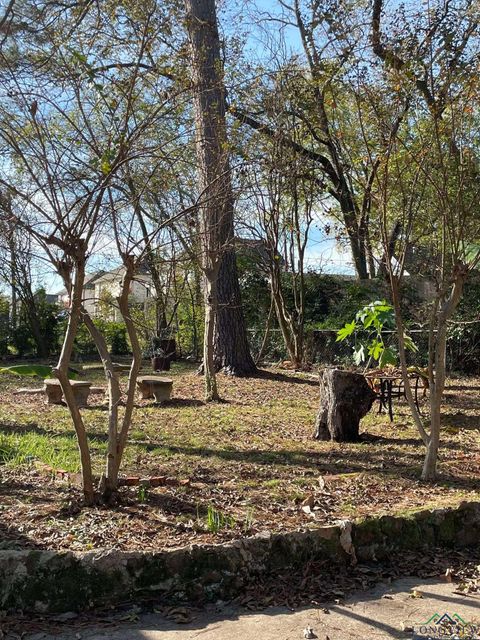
(118, 367)
(54, 393)
(155, 387)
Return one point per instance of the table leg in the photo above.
(417, 380)
(382, 397)
(389, 396)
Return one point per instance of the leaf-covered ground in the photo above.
(245, 465)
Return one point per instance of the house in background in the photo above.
(103, 287)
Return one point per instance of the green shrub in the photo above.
(115, 334)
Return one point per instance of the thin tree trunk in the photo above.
(417, 418)
(13, 277)
(107, 486)
(266, 335)
(284, 321)
(209, 370)
(437, 377)
(134, 369)
(61, 373)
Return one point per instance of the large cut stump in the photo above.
(345, 398)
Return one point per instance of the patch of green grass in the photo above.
(59, 452)
(274, 482)
(142, 493)
(217, 520)
(137, 434)
(302, 482)
(8, 451)
(348, 508)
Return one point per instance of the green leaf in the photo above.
(409, 343)
(375, 349)
(105, 166)
(80, 57)
(472, 251)
(387, 357)
(359, 355)
(347, 330)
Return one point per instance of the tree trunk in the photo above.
(123, 305)
(437, 369)
(266, 335)
(284, 319)
(232, 352)
(211, 390)
(345, 398)
(230, 343)
(395, 289)
(61, 373)
(108, 481)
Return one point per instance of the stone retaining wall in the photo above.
(36, 580)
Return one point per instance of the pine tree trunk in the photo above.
(231, 349)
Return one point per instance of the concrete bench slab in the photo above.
(117, 366)
(155, 387)
(54, 393)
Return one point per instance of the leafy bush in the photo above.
(116, 337)
(115, 334)
(22, 339)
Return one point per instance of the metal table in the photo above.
(390, 386)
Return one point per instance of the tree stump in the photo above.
(345, 398)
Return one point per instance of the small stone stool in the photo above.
(54, 393)
(155, 387)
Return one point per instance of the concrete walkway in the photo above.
(387, 611)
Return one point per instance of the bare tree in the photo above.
(279, 213)
(65, 137)
(317, 90)
(429, 175)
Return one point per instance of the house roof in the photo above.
(90, 278)
(108, 276)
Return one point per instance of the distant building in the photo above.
(102, 286)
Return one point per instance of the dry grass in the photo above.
(247, 465)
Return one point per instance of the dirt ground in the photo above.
(232, 469)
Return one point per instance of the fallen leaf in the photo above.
(309, 502)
